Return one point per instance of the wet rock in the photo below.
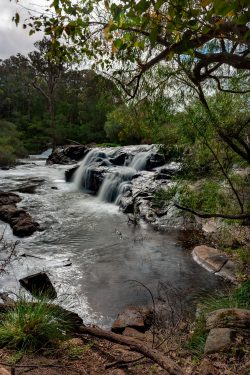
(127, 204)
(67, 154)
(219, 340)
(70, 172)
(229, 318)
(134, 317)
(8, 198)
(54, 187)
(119, 159)
(96, 176)
(21, 222)
(39, 284)
(155, 160)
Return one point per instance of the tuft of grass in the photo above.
(236, 298)
(33, 325)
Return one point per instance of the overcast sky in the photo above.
(15, 39)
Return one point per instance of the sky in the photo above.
(14, 39)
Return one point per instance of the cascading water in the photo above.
(139, 161)
(117, 183)
(81, 176)
(117, 179)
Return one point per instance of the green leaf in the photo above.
(17, 18)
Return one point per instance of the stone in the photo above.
(228, 318)
(209, 257)
(134, 317)
(9, 198)
(155, 160)
(21, 221)
(39, 284)
(70, 172)
(131, 332)
(67, 154)
(119, 159)
(3, 371)
(219, 340)
(228, 271)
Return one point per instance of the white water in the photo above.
(116, 182)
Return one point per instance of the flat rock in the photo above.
(228, 318)
(219, 340)
(210, 258)
(133, 317)
(8, 198)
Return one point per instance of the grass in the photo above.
(32, 325)
(236, 298)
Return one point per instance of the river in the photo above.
(104, 251)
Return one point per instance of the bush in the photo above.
(33, 325)
(11, 146)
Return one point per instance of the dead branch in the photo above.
(166, 363)
(205, 215)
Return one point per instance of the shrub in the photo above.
(32, 325)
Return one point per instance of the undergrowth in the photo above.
(32, 325)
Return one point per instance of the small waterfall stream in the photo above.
(117, 179)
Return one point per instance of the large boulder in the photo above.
(67, 154)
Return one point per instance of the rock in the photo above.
(67, 154)
(39, 284)
(3, 371)
(9, 198)
(219, 340)
(131, 332)
(70, 172)
(134, 317)
(119, 159)
(20, 221)
(229, 271)
(25, 226)
(229, 318)
(155, 160)
(209, 257)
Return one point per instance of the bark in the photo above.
(166, 363)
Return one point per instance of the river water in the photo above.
(104, 251)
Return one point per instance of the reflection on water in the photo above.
(104, 250)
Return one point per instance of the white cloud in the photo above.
(14, 39)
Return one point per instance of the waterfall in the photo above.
(117, 179)
(139, 161)
(81, 176)
(115, 185)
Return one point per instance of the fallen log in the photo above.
(166, 363)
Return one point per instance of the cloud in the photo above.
(14, 39)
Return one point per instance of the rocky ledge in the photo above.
(20, 220)
(215, 261)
